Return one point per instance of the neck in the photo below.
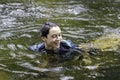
(48, 47)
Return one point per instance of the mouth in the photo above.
(57, 44)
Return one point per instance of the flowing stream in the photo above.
(81, 21)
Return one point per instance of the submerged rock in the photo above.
(110, 42)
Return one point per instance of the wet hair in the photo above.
(44, 29)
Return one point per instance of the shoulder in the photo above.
(37, 47)
(68, 44)
(68, 49)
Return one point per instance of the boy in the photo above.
(53, 43)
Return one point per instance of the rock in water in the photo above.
(109, 42)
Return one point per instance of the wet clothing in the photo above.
(66, 50)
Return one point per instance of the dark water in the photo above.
(81, 21)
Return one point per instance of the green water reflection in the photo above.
(82, 21)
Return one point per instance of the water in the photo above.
(81, 21)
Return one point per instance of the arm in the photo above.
(89, 48)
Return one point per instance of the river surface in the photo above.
(81, 21)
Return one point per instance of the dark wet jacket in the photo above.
(67, 49)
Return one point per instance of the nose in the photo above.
(59, 38)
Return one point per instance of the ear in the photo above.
(43, 38)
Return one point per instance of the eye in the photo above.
(60, 35)
(54, 36)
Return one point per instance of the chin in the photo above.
(57, 46)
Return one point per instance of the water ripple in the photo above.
(30, 66)
(5, 35)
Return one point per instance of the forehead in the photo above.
(55, 30)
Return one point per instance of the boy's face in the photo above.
(52, 41)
